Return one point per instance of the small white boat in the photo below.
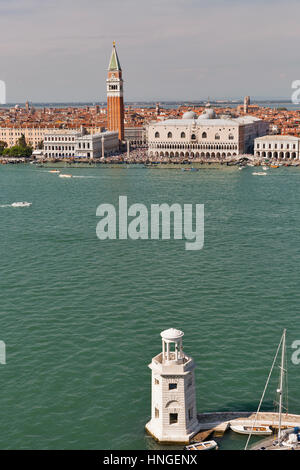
(21, 204)
(256, 173)
(265, 168)
(65, 176)
(54, 171)
(249, 429)
(206, 445)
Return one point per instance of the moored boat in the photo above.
(206, 445)
(291, 438)
(287, 439)
(249, 429)
(189, 169)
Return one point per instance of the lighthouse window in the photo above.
(156, 413)
(173, 418)
(172, 386)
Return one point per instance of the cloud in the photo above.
(58, 50)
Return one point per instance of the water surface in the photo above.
(81, 318)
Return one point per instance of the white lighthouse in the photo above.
(174, 412)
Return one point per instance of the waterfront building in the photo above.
(115, 103)
(60, 143)
(33, 135)
(97, 145)
(73, 143)
(173, 408)
(279, 147)
(136, 136)
(206, 136)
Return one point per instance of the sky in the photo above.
(183, 50)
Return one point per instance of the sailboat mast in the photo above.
(280, 390)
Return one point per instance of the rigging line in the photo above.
(286, 382)
(263, 395)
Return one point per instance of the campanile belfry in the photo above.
(115, 103)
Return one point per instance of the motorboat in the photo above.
(249, 429)
(205, 445)
(256, 173)
(189, 169)
(65, 176)
(54, 171)
(21, 204)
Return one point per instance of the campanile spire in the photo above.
(115, 103)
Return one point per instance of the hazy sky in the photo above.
(58, 50)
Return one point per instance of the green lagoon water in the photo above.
(81, 317)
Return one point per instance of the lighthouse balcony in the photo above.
(182, 365)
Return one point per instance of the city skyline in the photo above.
(172, 51)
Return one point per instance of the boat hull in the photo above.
(255, 431)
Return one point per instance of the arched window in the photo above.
(157, 135)
(182, 135)
(230, 137)
(217, 137)
(204, 135)
(169, 135)
(193, 137)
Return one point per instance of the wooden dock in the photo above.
(218, 423)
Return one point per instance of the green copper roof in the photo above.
(114, 63)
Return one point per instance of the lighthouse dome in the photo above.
(172, 334)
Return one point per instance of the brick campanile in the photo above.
(115, 103)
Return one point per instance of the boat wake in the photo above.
(93, 177)
(17, 204)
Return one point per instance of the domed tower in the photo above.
(174, 412)
(115, 103)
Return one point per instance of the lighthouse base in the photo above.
(171, 436)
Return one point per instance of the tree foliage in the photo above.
(18, 152)
(3, 145)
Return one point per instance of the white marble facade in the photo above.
(278, 147)
(204, 137)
